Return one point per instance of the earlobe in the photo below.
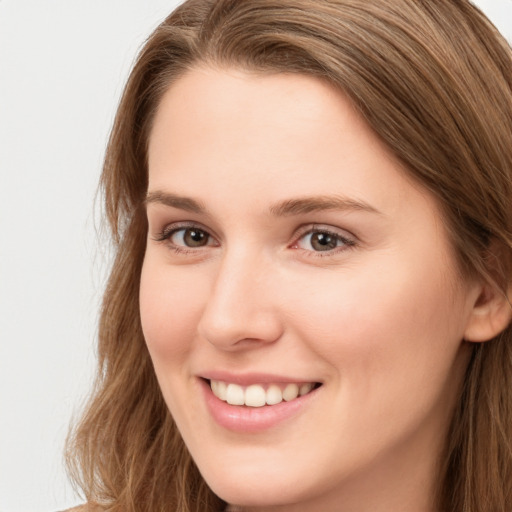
(491, 314)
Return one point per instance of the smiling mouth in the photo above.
(259, 395)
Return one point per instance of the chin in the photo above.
(252, 494)
(261, 486)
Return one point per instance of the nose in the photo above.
(242, 309)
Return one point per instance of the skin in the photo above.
(379, 320)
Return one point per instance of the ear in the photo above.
(491, 314)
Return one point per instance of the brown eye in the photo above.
(190, 237)
(323, 241)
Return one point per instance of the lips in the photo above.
(257, 402)
(259, 395)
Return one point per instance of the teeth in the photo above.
(274, 395)
(219, 389)
(290, 392)
(235, 395)
(256, 395)
(305, 388)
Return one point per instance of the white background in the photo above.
(63, 64)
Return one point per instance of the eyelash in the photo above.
(347, 243)
(166, 234)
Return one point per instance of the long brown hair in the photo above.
(434, 81)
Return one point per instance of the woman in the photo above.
(309, 305)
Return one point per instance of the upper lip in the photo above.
(246, 379)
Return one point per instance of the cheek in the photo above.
(372, 325)
(171, 305)
(392, 341)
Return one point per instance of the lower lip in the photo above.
(241, 418)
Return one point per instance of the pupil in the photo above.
(323, 241)
(195, 238)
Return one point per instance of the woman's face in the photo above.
(289, 253)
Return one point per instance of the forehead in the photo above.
(254, 100)
(241, 142)
(238, 125)
(222, 106)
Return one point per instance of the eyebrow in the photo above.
(319, 203)
(175, 201)
(285, 208)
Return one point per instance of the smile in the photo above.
(259, 395)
